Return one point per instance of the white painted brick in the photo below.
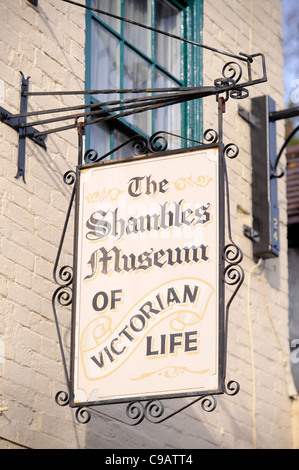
(47, 43)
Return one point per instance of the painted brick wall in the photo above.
(47, 44)
(258, 339)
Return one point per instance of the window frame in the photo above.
(191, 73)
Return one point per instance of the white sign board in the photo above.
(146, 306)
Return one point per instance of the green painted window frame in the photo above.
(191, 70)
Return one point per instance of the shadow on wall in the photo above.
(293, 255)
(184, 430)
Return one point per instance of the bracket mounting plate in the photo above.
(19, 124)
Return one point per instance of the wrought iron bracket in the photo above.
(153, 411)
(229, 85)
(265, 160)
(233, 274)
(19, 125)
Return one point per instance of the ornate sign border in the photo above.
(149, 161)
(231, 273)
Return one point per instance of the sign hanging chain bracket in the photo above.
(233, 274)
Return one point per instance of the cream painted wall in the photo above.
(47, 44)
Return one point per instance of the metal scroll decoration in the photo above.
(229, 83)
(141, 145)
(63, 277)
(152, 411)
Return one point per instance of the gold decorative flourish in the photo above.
(200, 180)
(113, 193)
(171, 372)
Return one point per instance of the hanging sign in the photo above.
(146, 313)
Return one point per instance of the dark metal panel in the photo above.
(265, 210)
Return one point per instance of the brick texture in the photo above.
(47, 44)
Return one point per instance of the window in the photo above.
(124, 56)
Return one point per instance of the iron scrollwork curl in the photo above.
(63, 277)
(69, 177)
(231, 75)
(140, 144)
(83, 415)
(233, 275)
(239, 94)
(231, 150)
(211, 136)
(62, 398)
(233, 71)
(154, 410)
(135, 411)
(233, 272)
(209, 403)
(64, 295)
(91, 156)
(232, 388)
(157, 142)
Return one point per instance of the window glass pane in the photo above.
(110, 6)
(168, 118)
(137, 74)
(139, 11)
(100, 138)
(126, 150)
(104, 61)
(167, 49)
(114, 64)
